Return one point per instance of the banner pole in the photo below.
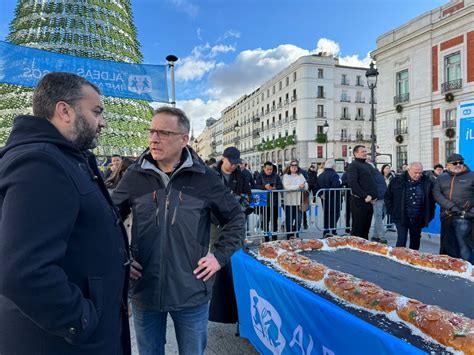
(171, 59)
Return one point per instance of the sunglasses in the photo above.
(294, 165)
(455, 163)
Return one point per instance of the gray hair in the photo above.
(55, 87)
(183, 120)
(330, 164)
(415, 163)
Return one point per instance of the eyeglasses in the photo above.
(455, 163)
(165, 135)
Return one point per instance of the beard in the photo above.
(84, 136)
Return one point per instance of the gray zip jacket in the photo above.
(170, 231)
(455, 192)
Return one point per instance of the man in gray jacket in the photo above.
(172, 193)
(454, 191)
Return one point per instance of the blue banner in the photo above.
(280, 317)
(258, 198)
(26, 66)
(466, 131)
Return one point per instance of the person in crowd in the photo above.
(269, 180)
(223, 305)
(63, 249)
(211, 162)
(114, 165)
(255, 177)
(361, 180)
(293, 181)
(248, 175)
(346, 197)
(172, 193)
(379, 206)
(438, 169)
(388, 175)
(331, 200)
(454, 191)
(112, 182)
(305, 213)
(320, 168)
(313, 179)
(409, 200)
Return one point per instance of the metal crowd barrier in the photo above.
(284, 214)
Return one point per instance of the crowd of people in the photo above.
(70, 267)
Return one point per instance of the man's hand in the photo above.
(135, 270)
(368, 198)
(207, 267)
(268, 187)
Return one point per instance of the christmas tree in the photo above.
(100, 29)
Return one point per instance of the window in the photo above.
(294, 76)
(345, 113)
(344, 150)
(320, 111)
(360, 113)
(280, 85)
(320, 74)
(359, 97)
(320, 92)
(450, 148)
(344, 133)
(452, 64)
(402, 156)
(294, 112)
(401, 126)
(287, 81)
(320, 129)
(402, 82)
(293, 98)
(344, 96)
(263, 97)
(273, 90)
(268, 93)
(344, 80)
(450, 120)
(320, 151)
(359, 81)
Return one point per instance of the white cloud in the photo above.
(199, 111)
(191, 68)
(221, 48)
(354, 61)
(328, 47)
(250, 69)
(185, 6)
(198, 32)
(229, 34)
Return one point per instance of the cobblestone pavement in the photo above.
(222, 339)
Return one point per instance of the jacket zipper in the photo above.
(165, 234)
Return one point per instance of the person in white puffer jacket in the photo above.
(294, 182)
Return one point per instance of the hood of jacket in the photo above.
(29, 129)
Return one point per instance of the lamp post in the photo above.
(326, 130)
(372, 74)
(171, 59)
(237, 138)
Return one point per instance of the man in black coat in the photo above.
(409, 200)
(269, 180)
(361, 180)
(63, 248)
(331, 200)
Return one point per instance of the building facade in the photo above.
(284, 118)
(426, 67)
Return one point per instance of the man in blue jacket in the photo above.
(63, 248)
(172, 194)
(331, 197)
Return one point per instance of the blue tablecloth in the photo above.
(280, 317)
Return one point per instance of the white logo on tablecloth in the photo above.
(266, 323)
(141, 84)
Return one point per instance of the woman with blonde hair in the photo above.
(293, 182)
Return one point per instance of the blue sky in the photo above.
(228, 48)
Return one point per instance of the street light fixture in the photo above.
(372, 74)
(237, 138)
(325, 131)
(171, 60)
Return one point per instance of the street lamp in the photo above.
(237, 138)
(372, 74)
(171, 59)
(325, 131)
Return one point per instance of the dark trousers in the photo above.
(412, 226)
(361, 217)
(332, 212)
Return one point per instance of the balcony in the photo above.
(400, 130)
(267, 111)
(360, 100)
(280, 105)
(344, 82)
(293, 117)
(345, 138)
(321, 138)
(345, 116)
(360, 117)
(451, 85)
(255, 119)
(449, 124)
(345, 99)
(359, 84)
(273, 108)
(293, 98)
(273, 125)
(321, 114)
(286, 102)
(286, 120)
(401, 98)
(321, 95)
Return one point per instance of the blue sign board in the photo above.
(280, 317)
(466, 131)
(26, 66)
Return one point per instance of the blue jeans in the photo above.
(461, 227)
(412, 225)
(190, 325)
